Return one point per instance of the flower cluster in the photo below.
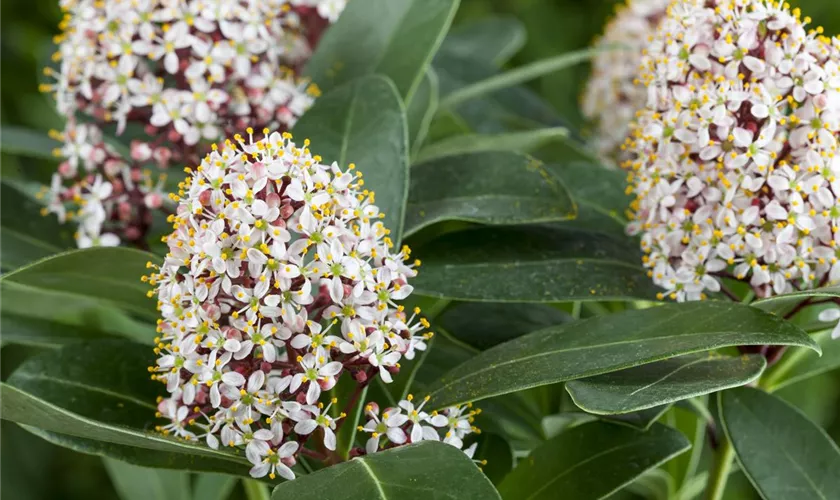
(613, 94)
(179, 74)
(408, 423)
(110, 199)
(280, 279)
(734, 158)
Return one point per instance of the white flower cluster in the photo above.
(613, 94)
(408, 423)
(110, 199)
(734, 159)
(183, 73)
(280, 279)
(189, 68)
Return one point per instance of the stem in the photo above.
(313, 454)
(255, 490)
(720, 472)
(772, 377)
(348, 408)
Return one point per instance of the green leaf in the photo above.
(801, 364)
(641, 419)
(427, 470)
(364, 122)
(512, 108)
(111, 275)
(521, 142)
(396, 38)
(141, 483)
(213, 487)
(26, 235)
(664, 382)
(489, 188)
(539, 263)
(609, 343)
(421, 110)
(61, 318)
(26, 142)
(484, 325)
(786, 301)
(344, 391)
(783, 454)
(519, 75)
(591, 461)
(491, 39)
(599, 195)
(497, 453)
(98, 398)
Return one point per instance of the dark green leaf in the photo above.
(26, 235)
(484, 325)
(801, 364)
(591, 461)
(111, 275)
(422, 109)
(396, 38)
(364, 123)
(599, 195)
(641, 419)
(34, 316)
(99, 398)
(497, 453)
(491, 39)
(25, 142)
(521, 142)
(539, 263)
(664, 382)
(609, 343)
(345, 392)
(213, 487)
(424, 471)
(141, 483)
(490, 188)
(784, 454)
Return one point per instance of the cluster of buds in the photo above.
(408, 423)
(280, 279)
(613, 94)
(733, 160)
(180, 74)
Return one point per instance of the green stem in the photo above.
(255, 490)
(720, 473)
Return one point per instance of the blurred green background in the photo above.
(33, 469)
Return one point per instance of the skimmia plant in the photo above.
(641, 307)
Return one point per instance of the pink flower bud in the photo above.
(153, 200)
(140, 151)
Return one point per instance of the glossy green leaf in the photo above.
(787, 301)
(424, 471)
(539, 263)
(213, 487)
(484, 325)
(591, 461)
(663, 382)
(801, 364)
(610, 343)
(34, 316)
(26, 142)
(97, 397)
(641, 419)
(111, 275)
(489, 188)
(783, 454)
(421, 110)
(26, 235)
(521, 142)
(142, 483)
(497, 453)
(490, 39)
(599, 195)
(512, 108)
(364, 122)
(396, 38)
(520, 75)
